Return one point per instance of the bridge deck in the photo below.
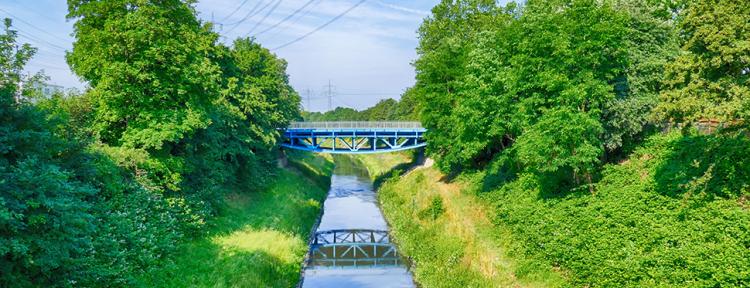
(354, 137)
(356, 125)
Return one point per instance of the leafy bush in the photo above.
(46, 224)
(562, 139)
(706, 166)
(634, 232)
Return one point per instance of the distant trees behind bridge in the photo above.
(389, 109)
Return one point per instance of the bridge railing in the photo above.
(356, 125)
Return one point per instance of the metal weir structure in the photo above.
(354, 137)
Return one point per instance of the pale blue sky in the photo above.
(365, 54)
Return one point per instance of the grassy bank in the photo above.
(446, 232)
(672, 215)
(260, 238)
(378, 165)
(675, 214)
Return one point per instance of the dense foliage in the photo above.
(44, 220)
(710, 80)
(101, 186)
(507, 80)
(488, 75)
(260, 239)
(657, 220)
(660, 219)
(538, 99)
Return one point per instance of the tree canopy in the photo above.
(488, 75)
(710, 79)
(99, 186)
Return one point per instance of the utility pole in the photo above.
(307, 93)
(330, 96)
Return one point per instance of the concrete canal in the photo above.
(351, 246)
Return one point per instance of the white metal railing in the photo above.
(356, 125)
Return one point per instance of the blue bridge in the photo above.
(354, 137)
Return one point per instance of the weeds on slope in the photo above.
(259, 240)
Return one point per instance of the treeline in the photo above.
(101, 186)
(385, 110)
(556, 111)
(561, 87)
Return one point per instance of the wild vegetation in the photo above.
(449, 236)
(556, 114)
(103, 187)
(259, 239)
(586, 143)
(656, 220)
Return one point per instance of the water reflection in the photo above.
(352, 248)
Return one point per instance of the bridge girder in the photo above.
(354, 140)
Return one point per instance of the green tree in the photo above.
(651, 43)
(45, 222)
(444, 41)
(562, 139)
(384, 110)
(255, 100)
(710, 79)
(510, 65)
(152, 77)
(147, 63)
(408, 106)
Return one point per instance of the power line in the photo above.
(38, 29)
(286, 18)
(38, 40)
(41, 45)
(264, 17)
(307, 12)
(345, 104)
(321, 26)
(235, 11)
(48, 66)
(35, 28)
(249, 14)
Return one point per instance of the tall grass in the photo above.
(446, 233)
(450, 237)
(260, 238)
(674, 214)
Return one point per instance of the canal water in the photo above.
(351, 246)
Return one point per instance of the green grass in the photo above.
(448, 233)
(259, 240)
(676, 213)
(378, 165)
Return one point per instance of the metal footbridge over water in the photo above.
(354, 137)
